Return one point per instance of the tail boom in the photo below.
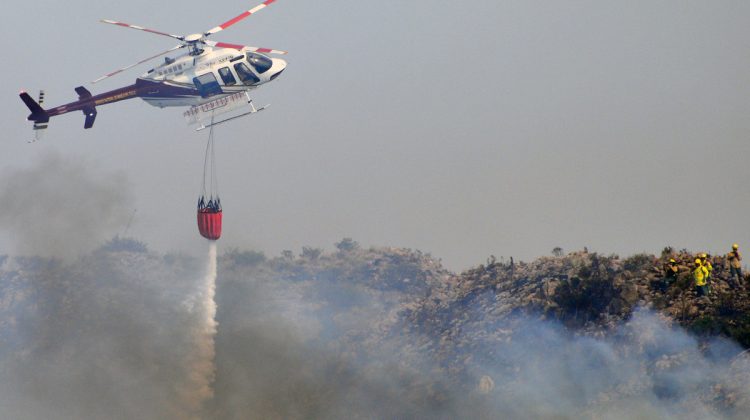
(86, 103)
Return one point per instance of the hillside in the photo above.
(371, 333)
(589, 292)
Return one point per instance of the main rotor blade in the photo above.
(140, 28)
(140, 62)
(239, 47)
(238, 18)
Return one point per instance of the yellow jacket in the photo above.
(734, 258)
(708, 267)
(671, 270)
(699, 274)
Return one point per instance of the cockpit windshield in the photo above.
(260, 62)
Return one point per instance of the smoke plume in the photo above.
(61, 208)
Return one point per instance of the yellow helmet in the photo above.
(735, 246)
(698, 261)
(703, 256)
(671, 260)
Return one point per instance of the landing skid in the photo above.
(253, 110)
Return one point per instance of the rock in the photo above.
(629, 293)
(486, 385)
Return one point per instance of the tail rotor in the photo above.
(40, 125)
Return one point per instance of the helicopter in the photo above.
(203, 78)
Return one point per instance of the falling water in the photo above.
(198, 387)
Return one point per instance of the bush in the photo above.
(587, 296)
(311, 253)
(346, 245)
(667, 252)
(706, 325)
(245, 258)
(637, 262)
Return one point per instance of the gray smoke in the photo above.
(647, 368)
(125, 333)
(112, 335)
(281, 354)
(59, 207)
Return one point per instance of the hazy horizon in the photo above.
(497, 128)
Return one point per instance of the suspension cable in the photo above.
(209, 154)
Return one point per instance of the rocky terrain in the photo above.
(591, 293)
(372, 333)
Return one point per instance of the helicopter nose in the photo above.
(278, 66)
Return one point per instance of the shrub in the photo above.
(637, 262)
(587, 296)
(311, 253)
(245, 258)
(667, 252)
(346, 245)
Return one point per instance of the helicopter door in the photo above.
(207, 85)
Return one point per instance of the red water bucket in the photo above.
(209, 223)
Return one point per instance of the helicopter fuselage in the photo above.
(190, 80)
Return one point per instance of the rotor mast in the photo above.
(194, 42)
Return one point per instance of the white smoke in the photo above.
(200, 359)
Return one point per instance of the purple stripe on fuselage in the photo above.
(142, 88)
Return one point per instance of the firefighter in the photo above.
(670, 273)
(707, 268)
(699, 275)
(735, 266)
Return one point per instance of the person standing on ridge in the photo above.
(735, 266)
(707, 268)
(670, 273)
(699, 275)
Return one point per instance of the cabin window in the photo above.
(260, 62)
(227, 76)
(246, 75)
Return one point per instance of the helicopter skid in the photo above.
(252, 111)
(206, 113)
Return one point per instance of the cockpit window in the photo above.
(245, 74)
(260, 62)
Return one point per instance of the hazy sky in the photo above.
(462, 129)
